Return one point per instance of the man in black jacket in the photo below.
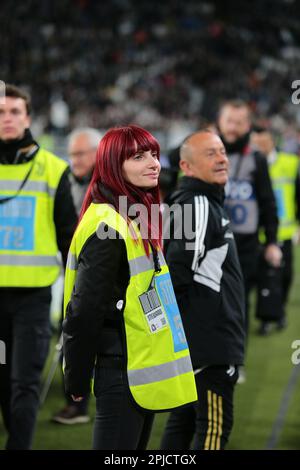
(207, 279)
(38, 218)
(250, 200)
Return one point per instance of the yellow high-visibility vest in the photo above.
(283, 172)
(28, 247)
(159, 369)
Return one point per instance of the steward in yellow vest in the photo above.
(122, 323)
(37, 220)
(159, 368)
(284, 172)
(28, 242)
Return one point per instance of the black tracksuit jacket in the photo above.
(206, 274)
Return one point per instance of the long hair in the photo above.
(108, 183)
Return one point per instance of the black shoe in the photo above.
(281, 324)
(70, 415)
(264, 329)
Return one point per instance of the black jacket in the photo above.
(206, 274)
(250, 201)
(93, 326)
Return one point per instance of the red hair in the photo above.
(117, 145)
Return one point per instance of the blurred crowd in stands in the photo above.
(164, 65)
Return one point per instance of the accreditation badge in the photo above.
(17, 218)
(153, 310)
(161, 310)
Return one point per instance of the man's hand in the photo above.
(74, 398)
(273, 255)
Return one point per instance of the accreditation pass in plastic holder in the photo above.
(152, 308)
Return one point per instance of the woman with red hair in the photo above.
(116, 325)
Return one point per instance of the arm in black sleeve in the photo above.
(65, 217)
(184, 254)
(98, 270)
(266, 200)
(297, 194)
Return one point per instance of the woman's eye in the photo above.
(138, 157)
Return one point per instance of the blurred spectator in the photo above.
(168, 176)
(249, 197)
(82, 147)
(142, 72)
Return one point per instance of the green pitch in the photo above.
(257, 401)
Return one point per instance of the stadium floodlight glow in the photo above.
(2, 92)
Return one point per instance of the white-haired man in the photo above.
(82, 147)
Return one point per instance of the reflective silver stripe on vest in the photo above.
(288, 223)
(143, 263)
(28, 260)
(161, 372)
(39, 186)
(136, 265)
(285, 180)
(72, 262)
(161, 259)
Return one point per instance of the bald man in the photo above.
(208, 283)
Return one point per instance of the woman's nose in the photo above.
(153, 161)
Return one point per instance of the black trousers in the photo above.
(25, 330)
(287, 268)
(286, 272)
(249, 264)
(207, 424)
(119, 423)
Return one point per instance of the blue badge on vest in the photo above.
(166, 294)
(17, 224)
(279, 196)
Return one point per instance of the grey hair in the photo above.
(93, 135)
(185, 144)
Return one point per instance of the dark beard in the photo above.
(238, 146)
